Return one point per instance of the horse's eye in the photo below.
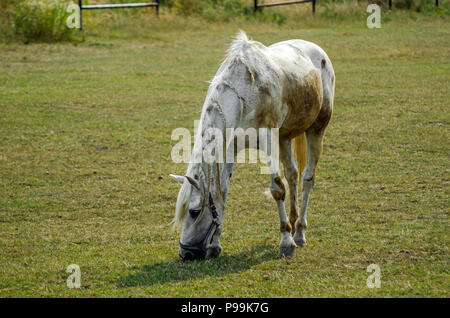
(194, 212)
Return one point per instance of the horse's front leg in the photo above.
(287, 245)
(278, 191)
(291, 174)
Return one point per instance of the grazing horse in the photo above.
(285, 90)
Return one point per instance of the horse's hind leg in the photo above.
(314, 138)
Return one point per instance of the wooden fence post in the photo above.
(81, 15)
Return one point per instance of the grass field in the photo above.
(85, 157)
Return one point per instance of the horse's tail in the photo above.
(299, 145)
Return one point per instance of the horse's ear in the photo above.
(180, 179)
(193, 182)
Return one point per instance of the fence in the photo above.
(282, 3)
(115, 6)
(155, 4)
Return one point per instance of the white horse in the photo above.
(288, 86)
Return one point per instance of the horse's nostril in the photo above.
(189, 256)
(186, 255)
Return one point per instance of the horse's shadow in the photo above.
(179, 270)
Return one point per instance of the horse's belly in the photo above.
(303, 102)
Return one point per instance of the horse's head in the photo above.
(199, 214)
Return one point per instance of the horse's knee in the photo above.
(293, 216)
(307, 180)
(277, 189)
(285, 227)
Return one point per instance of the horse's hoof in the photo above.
(287, 251)
(299, 238)
(300, 241)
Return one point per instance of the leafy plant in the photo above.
(43, 20)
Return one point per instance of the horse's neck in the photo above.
(217, 177)
(218, 181)
(221, 116)
(225, 179)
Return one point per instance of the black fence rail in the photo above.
(115, 6)
(256, 5)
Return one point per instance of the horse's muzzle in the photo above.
(191, 254)
(197, 254)
(213, 251)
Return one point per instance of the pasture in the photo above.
(85, 143)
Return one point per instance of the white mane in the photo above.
(182, 205)
(235, 49)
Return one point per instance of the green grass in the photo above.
(85, 157)
(35, 21)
